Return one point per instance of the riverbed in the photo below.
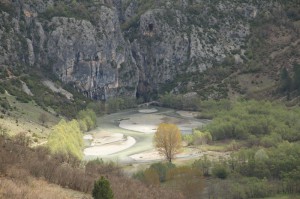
(126, 136)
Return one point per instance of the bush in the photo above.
(203, 164)
(117, 104)
(253, 120)
(87, 119)
(161, 169)
(66, 138)
(220, 171)
(102, 189)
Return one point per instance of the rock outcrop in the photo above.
(121, 47)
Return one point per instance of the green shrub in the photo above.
(198, 137)
(116, 104)
(4, 104)
(203, 164)
(161, 169)
(66, 138)
(253, 120)
(220, 171)
(87, 119)
(102, 189)
(76, 10)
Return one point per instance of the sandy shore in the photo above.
(148, 123)
(188, 114)
(147, 156)
(144, 123)
(151, 110)
(108, 144)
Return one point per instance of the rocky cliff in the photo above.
(108, 48)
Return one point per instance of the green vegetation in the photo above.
(2, 131)
(13, 87)
(208, 108)
(45, 97)
(220, 171)
(203, 164)
(42, 95)
(207, 84)
(186, 179)
(262, 162)
(256, 173)
(296, 77)
(285, 81)
(289, 83)
(117, 104)
(259, 122)
(7, 6)
(66, 138)
(75, 10)
(4, 105)
(197, 138)
(87, 120)
(102, 189)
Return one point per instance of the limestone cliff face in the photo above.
(85, 45)
(94, 57)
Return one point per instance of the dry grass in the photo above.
(36, 189)
(20, 164)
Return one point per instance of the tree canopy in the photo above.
(66, 138)
(167, 140)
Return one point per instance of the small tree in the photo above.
(167, 140)
(43, 118)
(102, 189)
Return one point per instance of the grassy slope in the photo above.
(24, 118)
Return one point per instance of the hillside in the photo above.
(135, 48)
(235, 64)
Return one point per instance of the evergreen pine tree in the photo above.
(285, 81)
(102, 189)
(297, 76)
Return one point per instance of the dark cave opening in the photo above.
(151, 27)
(145, 92)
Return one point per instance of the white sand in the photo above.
(109, 144)
(142, 123)
(147, 156)
(154, 155)
(88, 137)
(188, 114)
(151, 110)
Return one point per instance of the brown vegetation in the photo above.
(18, 161)
(35, 189)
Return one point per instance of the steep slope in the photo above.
(109, 48)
